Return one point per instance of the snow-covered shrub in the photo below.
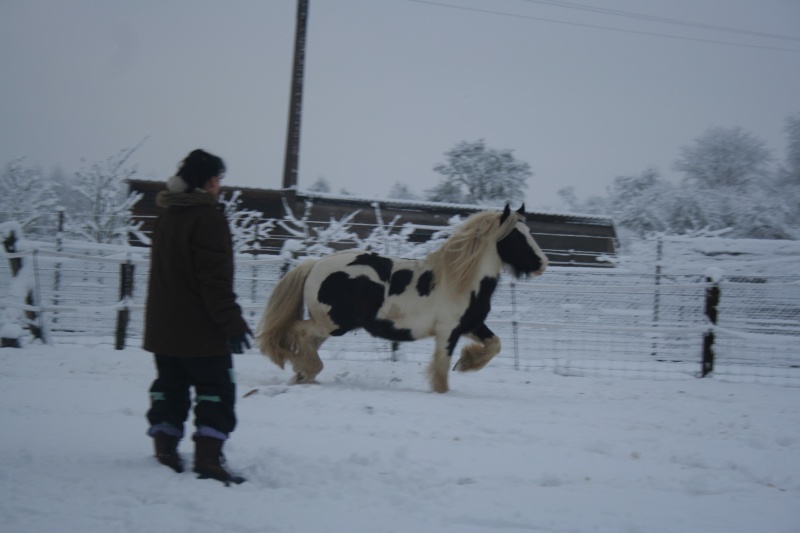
(20, 290)
(248, 227)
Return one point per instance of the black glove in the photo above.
(238, 343)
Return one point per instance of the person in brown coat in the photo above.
(192, 321)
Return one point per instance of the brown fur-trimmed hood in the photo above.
(185, 199)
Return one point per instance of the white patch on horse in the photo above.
(447, 296)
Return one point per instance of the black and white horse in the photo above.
(445, 295)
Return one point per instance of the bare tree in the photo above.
(102, 210)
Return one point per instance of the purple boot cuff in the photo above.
(165, 428)
(206, 431)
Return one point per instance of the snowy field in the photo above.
(371, 450)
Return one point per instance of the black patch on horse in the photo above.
(425, 283)
(515, 251)
(479, 306)
(380, 327)
(381, 265)
(354, 301)
(400, 280)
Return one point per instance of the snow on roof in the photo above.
(427, 205)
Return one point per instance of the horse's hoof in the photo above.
(457, 366)
(301, 379)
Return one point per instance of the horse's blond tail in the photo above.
(275, 333)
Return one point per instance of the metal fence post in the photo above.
(657, 295)
(40, 330)
(125, 293)
(712, 302)
(514, 323)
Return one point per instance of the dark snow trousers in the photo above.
(215, 395)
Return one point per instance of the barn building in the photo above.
(567, 239)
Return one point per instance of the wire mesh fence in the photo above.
(575, 321)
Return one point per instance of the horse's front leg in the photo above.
(477, 355)
(440, 365)
(306, 362)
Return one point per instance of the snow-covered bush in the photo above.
(307, 239)
(25, 197)
(248, 227)
(13, 318)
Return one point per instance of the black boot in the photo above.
(209, 462)
(166, 447)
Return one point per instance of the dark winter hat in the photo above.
(198, 167)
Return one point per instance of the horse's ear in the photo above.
(505, 215)
(521, 210)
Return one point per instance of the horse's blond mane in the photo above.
(456, 262)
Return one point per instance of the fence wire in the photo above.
(574, 321)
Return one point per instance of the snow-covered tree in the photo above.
(248, 227)
(401, 191)
(728, 173)
(476, 174)
(724, 157)
(642, 203)
(447, 192)
(102, 210)
(790, 173)
(686, 213)
(27, 198)
(320, 185)
(594, 205)
(728, 186)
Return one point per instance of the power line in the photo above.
(654, 18)
(598, 27)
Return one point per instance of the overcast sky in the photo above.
(392, 84)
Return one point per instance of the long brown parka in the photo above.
(191, 304)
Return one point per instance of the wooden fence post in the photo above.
(125, 293)
(712, 303)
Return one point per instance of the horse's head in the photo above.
(516, 246)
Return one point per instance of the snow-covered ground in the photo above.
(370, 449)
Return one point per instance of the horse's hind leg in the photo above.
(477, 355)
(306, 362)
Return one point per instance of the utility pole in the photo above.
(296, 99)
